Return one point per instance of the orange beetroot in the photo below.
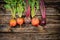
(35, 21)
(20, 21)
(12, 22)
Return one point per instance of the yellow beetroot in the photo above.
(12, 22)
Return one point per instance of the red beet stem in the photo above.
(28, 11)
(43, 10)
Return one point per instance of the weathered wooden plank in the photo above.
(30, 36)
(50, 28)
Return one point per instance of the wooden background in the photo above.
(51, 32)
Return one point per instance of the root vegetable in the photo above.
(12, 22)
(20, 21)
(35, 21)
(43, 12)
(27, 20)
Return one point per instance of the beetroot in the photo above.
(35, 21)
(20, 21)
(12, 22)
(43, 12)
(27, 20)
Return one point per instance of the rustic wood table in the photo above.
(51, 32)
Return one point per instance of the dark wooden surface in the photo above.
(51, 32)
(29, 36)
